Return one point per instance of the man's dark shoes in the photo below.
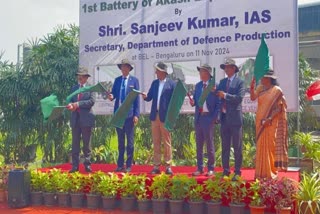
(128, 169)
(120, 169)
(210, 173)
(155, 171)
(88, 168)
(169, 171)
(197, 173)
(236, 177)
(74, 169)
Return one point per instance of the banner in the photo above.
(185, 34)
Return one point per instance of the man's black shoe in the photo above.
(74, 169)
(120, 169)
(169, 171)
(155, 171)
(88, 168)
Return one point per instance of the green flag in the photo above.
(176, 102)
(57, 112)
(93, 88)
(47, 104)
(261, 64)
(120, 115)
(206, 91)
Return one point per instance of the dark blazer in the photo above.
(233, 100)
(132, 83)
(212, 101)
(164, 98)
(85, 117)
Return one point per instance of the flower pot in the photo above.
(77, 200)
(144, 206)
(257, 209)
(283, 210)
(128, 203)
(176, 206)
(213, 207)
(36, 198)
(308, 207)
(49, 199)
(108, 203)
(236, 208)
(196, 207)
(2, 195)
(63, 199)
(159, 206)
(93, 201)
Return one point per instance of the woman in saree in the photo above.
(271, 127)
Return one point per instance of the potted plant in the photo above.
(178, 191)
(141, 193)
(108, 188)
(79, 182)
(256, 200)
(308, 194)
(128, 186)
(235, 192)
(63, 189)
(285, 199)
(94, 196)
(213, 188)
(36, 187)
(50, 184)
(160, 191)
(195, 196)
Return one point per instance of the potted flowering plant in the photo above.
(160, 192)
(141, 193)
(178, 191)
(195, 196)
(4, 175)
(213, 188)
(94, 196)
(36, 187)
(108, 188)
(257, 201)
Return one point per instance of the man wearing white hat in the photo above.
(204, 120)
(160, 93)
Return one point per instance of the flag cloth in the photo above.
(47, 104)
(206, 92)
(313, 91)
(261, 64)
(121, 114)
(57, 112)
(175, 104)
(93, 88)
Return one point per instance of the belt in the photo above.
(204, 113)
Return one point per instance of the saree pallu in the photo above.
(271, 139)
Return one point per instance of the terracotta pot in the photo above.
(213, 207)
(257, 209)
(159, 206)
(237, 208)
(176, 206)
(2, 195)
(283, 210)
(63, 199)
(93, 201)
(108, 203)
(36, 198)
(196, 207)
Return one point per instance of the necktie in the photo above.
(204, 86)
(224, 107)
(123, 90)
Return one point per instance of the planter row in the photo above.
(130, 204)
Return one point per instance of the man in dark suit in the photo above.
(122, 86)
(204, 120)
(231, 90)
(82, 121)
(160, 93)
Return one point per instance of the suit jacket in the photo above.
(233, 101)
(85, 116)
(132, 83)
(212, 101)
(164, 98)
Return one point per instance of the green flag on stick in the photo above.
(120, 115)
(175, 104)
(47, 104)
(93, 88)
(206, 91)
(261, 65)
